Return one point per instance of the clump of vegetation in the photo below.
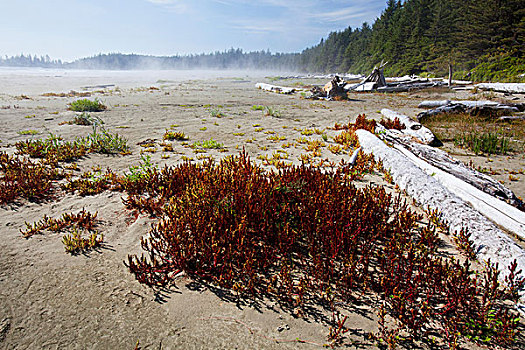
(271, 112)
(83, 219)
(392, 124)
(53, 149)
(360, 123)
(257, 108)
(211, 143)
(71, 93)
(488, 143)
(28, 132)
(174, 135)
(481, 134)
(74, 243)
(303, 236)
(91, 183)
(86, 105)
(85, 119)
(276, 138)
(216, 113)
(105, 142)
(22, 178)
(143, 170)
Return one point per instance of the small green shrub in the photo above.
(489, 143)
(74, 243)
(211, 143)
(216, 113)
(28, 132)
(104, 142)
(257, 108)
(272, 112)
(174, 135)
(85, 119)
(85, 105)
(141, 171)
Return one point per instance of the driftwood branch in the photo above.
(275, 88)
(471, 107)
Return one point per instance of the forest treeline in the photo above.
(229, 59)
(482, 40)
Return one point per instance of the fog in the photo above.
(33, 81)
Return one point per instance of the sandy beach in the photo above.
(52, 300)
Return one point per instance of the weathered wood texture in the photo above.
(488, 240)
(514, 88)
(471, 107)
(442, 160)
(275, 88)
(413, 128)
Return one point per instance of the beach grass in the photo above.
(86, 105)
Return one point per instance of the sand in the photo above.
(52, 300)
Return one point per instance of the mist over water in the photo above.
(32, 81)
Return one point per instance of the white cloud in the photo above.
(177, 6)
(344, 14)
(163, 2)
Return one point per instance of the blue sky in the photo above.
(69, 29)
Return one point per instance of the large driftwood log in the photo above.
(413, 128)
(470, 104)
(403, 87)
(442, 160)
(472, 107)
(488, 240)
(275, 88)
(514, 88)
(498, 211)
(508, 118)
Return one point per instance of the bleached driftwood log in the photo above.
(409, 86)
(488, 240)
(434, 103)
(413, 128)
(469, 104)
(442, 160)
(498, 211)
(473, 109)
(275, 88)
(508, 118)
(514, 88)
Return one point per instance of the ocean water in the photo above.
(31, 81)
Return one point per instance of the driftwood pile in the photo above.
(485, 108)
(375, 81)
(275, 88)
(458, 204)
(466, 198)
(417, 139)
